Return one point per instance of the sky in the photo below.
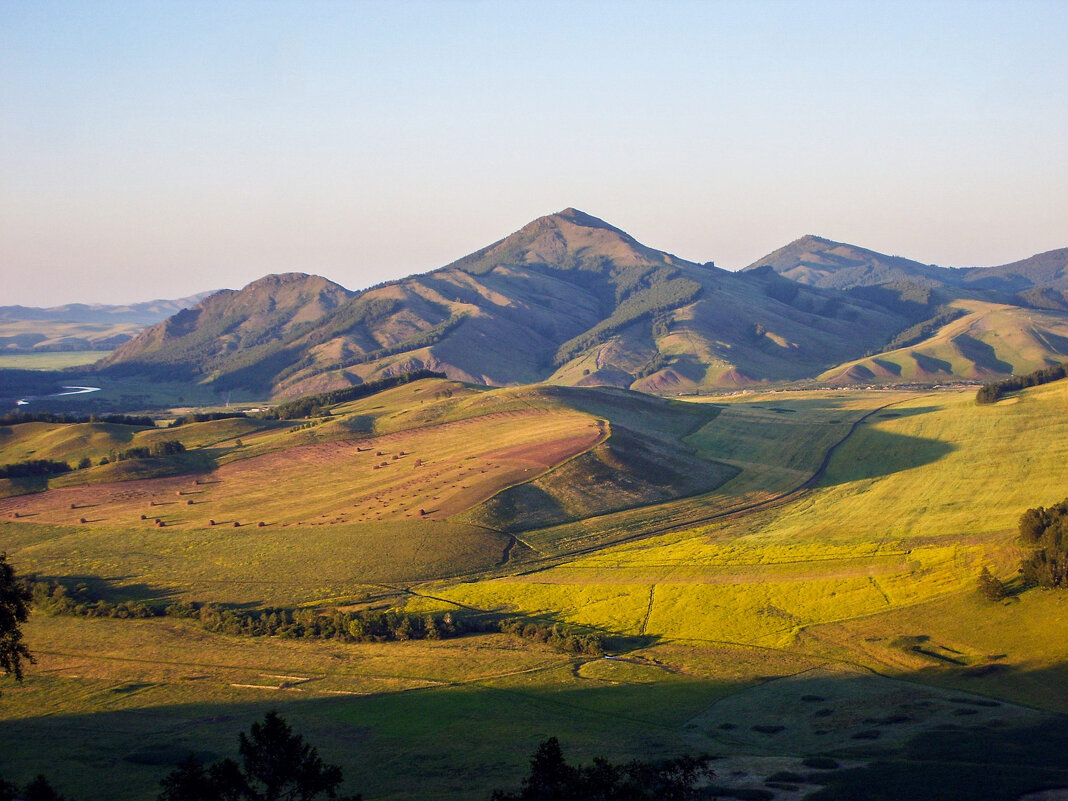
(155, 149)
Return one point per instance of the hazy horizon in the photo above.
(160, 150)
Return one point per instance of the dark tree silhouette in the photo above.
(14, 609)
(276, 765)
(552, 779)
(990, 587)
(37, 790)
(1045, 531)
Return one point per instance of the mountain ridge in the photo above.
(568, 299)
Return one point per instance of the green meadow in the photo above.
(54, 360)
(803, 584)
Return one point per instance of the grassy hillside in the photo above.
(991, 340)
(386, 486)
(909, 509)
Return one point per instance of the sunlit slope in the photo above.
(374, 492)
(71, 442)
(774, 442)
(910, 508)
(991, 341)
(644, 460)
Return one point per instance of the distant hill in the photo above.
(824, 263)
(1040, 281)
(78, 326)
(984, 341)
(820, 262)
(568, 298)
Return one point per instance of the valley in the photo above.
(755, 612)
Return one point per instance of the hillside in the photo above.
(987, 341)
(420, 460)
(567, 298)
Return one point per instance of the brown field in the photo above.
(429, 472)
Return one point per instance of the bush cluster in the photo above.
(1045, 531)
(168, 447)
(34, 467)
(554, 636)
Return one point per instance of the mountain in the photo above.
(78, 326)
(820, 262)
(568, 298)
(145, 313)
(229, 330)
(1040, 281)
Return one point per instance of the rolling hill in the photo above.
(568, 298)
(985, 342)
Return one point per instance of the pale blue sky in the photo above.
(153, 149)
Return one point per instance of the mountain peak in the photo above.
(577, 217)
(562, 240)
(276, 281)
(809, 240)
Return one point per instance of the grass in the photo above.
(124, 700)
(909, 510)
(859, 592)
(57, 360)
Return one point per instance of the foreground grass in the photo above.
(124, 700)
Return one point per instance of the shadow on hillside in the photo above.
(113, 589)
(947, 743)
(982, 354)
(874, 453)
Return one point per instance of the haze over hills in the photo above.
(822, 262)
(570, 299)
(77, 326)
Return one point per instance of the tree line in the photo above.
(56, 598)
(14, 418)
(989, 393)
(278, 765)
